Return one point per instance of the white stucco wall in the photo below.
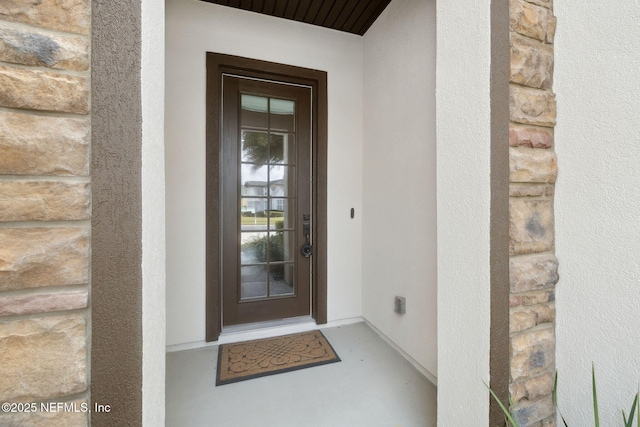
(153, 216)
(597, 206)
(463, 193)
(195, 27)
(399, 186)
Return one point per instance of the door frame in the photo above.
(217, 65)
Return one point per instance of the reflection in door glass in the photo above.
(281, 115)
(252, 214)
(282, 216)
(281, 246)
(254, 247)
(254, 180)
(281, 279)
(254, 112)
(267, 197)
(253, 281)
(282, 148)
(255, 146)
(281, 181)
(261, 148)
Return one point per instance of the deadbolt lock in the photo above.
(306, 250)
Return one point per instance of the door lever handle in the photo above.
(306, 250)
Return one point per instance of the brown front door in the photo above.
(266, 224)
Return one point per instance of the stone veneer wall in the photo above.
(533, 269)
(45, 207)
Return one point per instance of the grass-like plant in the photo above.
(507, 411)
(511, 419)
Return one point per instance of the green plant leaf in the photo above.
(595, 396)
(629, 422)
(555, 398)
(507, 413)
(631, 413)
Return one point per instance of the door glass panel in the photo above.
(252, 214)
(281, 279)
(253, 282)
(282, 147)
(254, 247)
(254, 111)
(281, 115)
(255, 146)
(281, 246)
(254, 180)
(267, 197)
(282, 214)
(281, 181)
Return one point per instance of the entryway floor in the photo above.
(372, 386)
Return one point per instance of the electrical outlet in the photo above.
(400, 305)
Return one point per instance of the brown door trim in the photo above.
(217, 64)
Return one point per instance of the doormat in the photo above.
(259, 358)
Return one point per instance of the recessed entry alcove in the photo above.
(380, 155)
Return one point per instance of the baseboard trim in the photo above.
(404, 354)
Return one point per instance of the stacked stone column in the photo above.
(45, 207)
(533, 170)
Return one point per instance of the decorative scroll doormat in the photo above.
(259, 358)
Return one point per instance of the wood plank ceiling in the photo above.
(352, 16)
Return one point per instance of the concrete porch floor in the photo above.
(372, 386)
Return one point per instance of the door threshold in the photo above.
(300, 326)
(273, 328)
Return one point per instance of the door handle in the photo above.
(306, 250)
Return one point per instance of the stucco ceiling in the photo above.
(352, 16)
